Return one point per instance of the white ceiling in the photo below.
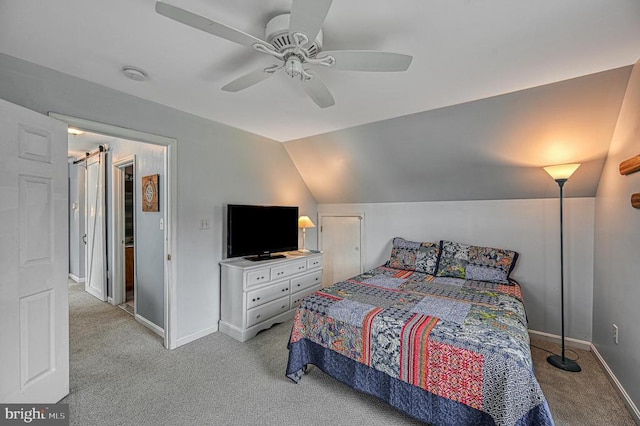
(463, 50)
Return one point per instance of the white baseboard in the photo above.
(582, 344)
(151, 326)
(76, 279)
(618, 386)
(569, 341)
(195, 336)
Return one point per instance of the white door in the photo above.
(34, 257)
(341, 243)
(95, 256)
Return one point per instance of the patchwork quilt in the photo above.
(448, 351)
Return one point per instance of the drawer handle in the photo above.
(298, 285)
(258, 316)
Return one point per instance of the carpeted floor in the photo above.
(584, 398)
(121, 375)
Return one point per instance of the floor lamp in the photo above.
(561, 174)
(304, 222)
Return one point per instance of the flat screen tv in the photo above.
(256, 232)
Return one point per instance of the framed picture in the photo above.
(150, 198)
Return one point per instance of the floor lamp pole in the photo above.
(556, 360)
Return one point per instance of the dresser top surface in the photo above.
(242, 263)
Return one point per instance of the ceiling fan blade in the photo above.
(207, 25)
(307, 17)
(367, 60)
(247, 80)
(318, 91)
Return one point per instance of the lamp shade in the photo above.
(561, 171)
(305, 222)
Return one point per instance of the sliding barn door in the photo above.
(341, 243)
(34, 257)
(95, 239)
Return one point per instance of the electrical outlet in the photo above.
(615, 334)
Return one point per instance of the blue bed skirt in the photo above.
(413, 401)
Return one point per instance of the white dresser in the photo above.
(256, 295)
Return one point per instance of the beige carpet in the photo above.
(584, 398)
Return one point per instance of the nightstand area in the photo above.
(256, 295)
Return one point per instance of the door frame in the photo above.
(170, 215)
(117, 236)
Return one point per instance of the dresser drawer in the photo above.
(296, 298)
(267, 311)
(288, 269)
(258, 277)
(264, 295)
(300, 283)
(316, 262)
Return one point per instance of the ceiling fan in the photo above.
(295, 40)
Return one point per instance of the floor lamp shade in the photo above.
(561, 174)
(304, 222)
(561, 171)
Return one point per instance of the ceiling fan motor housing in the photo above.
(277, 33)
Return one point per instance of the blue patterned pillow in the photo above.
(414, 256)
(475, 262)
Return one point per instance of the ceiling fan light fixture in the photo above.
(293, 68)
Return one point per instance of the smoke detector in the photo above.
(133, 73)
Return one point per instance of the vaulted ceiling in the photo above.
(463, 50)
(490, 149)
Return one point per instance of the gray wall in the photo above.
(530, 227)
(616, 296)
(217, 164)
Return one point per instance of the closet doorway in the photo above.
(124, 210)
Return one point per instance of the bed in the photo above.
(439, 331)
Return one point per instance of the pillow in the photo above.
(414, 256)
(475, 262)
